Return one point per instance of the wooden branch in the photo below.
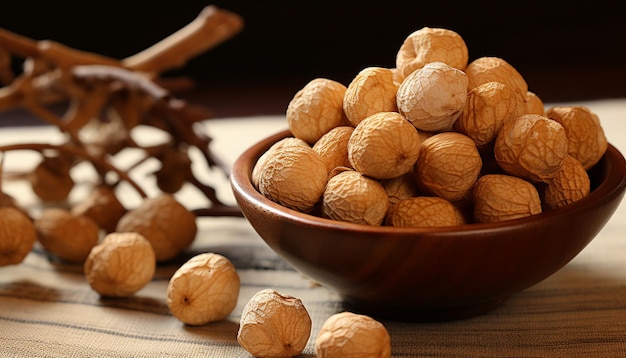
(95, 161)
(210, 28)
(118, 94)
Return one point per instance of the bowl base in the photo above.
(426, 314)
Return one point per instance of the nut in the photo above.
(204, 289)
(175, 170)
(260, 163)
(51, 179)
(401, 187)
(433, 97)
(425, 211)
(534, 104)
(570, 183)
(294, 176)
(448, 165)
(384, 145)
(101, 206)
(348, 334)
(428, 45)
(586, 139)
(165, 222)
(121, 265)
(17, 235)
(499, 197)
(531, 146)
(353, 197)
(316, 109)
(488, 106)
(274, 325)
(332, 147)
(494, 69)
(373, 90)
(69, 237)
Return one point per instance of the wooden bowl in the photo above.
(430, 274)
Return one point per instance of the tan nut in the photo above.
(499, 197)
(384, 145)
(295, 177)
(494, 69)
(570, 183)
(274, 325)
(348, 334)
(425, 211)
(121, 265)
(488, 106)
(433, 97)
(315, 109)
(204, 289)
(17, 235)
(586, 139)
(101, 206)
(65, 235)
(428, 45)
(371, 91)
(260, 163)
(400, 188)
(333, 147)
(353, 197)
(165, 222)
(531, 146)
(534, 104)
(448, 165)
(51, 179)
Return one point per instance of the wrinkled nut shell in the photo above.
(372, 90)
(428, 45)
(494, 69)
(425, 211)
(333, 147)
(316, 109)
(384, 145)
(204, 289)
(534, 104)
(401, 187)
(274, 325)
(101, 206)
(51, 179)
(121, 265)
(586, 139)
(260, 163)
(17, 236)
(348, 334)
(488, 106)
(531, 146)
(499, 197)
(352, 197)
(166, 223)
(294, 177)
(433, 97)
(448, 165)
(65, 235)
(570, 183)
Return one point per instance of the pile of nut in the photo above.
(435, 141)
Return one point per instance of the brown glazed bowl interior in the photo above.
(429, 274)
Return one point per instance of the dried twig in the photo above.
(113, 97)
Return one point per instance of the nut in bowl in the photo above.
(429, 274)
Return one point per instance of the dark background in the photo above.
(566, 51)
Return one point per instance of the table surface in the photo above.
(47, 309)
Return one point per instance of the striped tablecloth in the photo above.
(47, 309)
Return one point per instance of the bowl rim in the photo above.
(613, 185)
